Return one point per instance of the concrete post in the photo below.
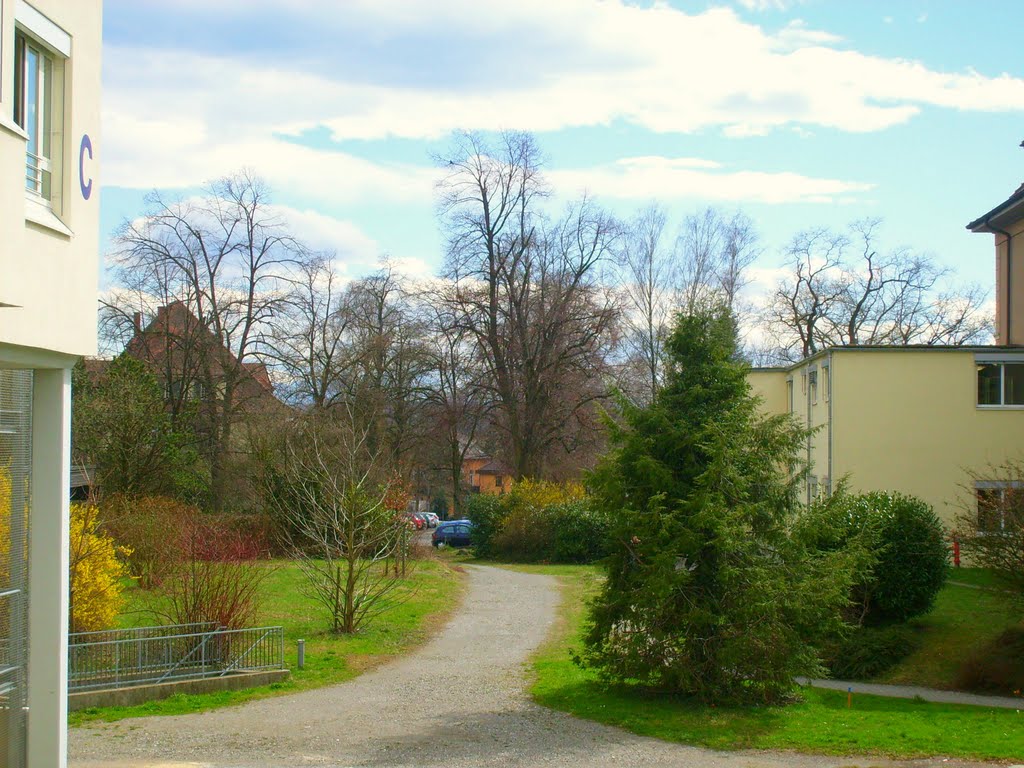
(48, 569)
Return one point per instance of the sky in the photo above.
(800, 113)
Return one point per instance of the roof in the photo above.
(973, 349)
(1007, 212)
(494, 468)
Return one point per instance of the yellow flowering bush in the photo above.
(97, 571)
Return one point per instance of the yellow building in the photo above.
(920, 420)
(49, 225)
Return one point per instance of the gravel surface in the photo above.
(458, 702)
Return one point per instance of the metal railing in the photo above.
(130, 657)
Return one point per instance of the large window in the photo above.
(40, 51)
(33, 111)
(1001, 383)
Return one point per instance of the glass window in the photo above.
(990, 384)
(812, 378)
(789, 395)
(989, 516)
(38, 96)
(1013, 383)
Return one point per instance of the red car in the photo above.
(415, 519)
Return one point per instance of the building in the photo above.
(934, 422)
(919, 420)
(1006, 222)
(484, 474)
(49, 235)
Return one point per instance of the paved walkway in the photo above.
(917, 692)
(458, 702)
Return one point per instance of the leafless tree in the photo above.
(332, 495)
(309, 339)
(649, 288)
(218, 265)
(526, 291)
(713, 251)
(843, 290)
(456, 391)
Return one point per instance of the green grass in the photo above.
(819, 722)
(432, 591)
(963, 621)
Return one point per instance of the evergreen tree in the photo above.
(707, 594)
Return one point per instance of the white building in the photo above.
(49, 222)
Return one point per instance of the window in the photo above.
(40, 51)
(789, 395)
(997, 504)
(1001, 383)
(826, 383)
(812, 381)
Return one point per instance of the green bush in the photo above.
(905, 547)
(997, 667)
(869, 651)
(538, 522)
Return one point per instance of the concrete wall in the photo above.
(48, 263)
(140, 694)
(899, 419)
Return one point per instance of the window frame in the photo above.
(1000, 487)
(34, 32)
(996, 359)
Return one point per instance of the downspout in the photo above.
(831, 394)
(1009, 273)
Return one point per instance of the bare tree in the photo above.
(649, 290)
(332, 494)
(526, 291)
(309, 337)
(217, 266)
(843, 290)
(456, 391)
(714, 250)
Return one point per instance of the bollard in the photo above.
(849, 697)
(302, 654)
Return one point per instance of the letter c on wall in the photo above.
(85, 185)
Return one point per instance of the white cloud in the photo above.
(767, 5)
(174, 117)
(667, 178)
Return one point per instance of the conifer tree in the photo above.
(707, 594)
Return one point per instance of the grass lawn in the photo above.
(433, 590)
(963, 620)
(819, 723)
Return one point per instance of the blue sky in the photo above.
(800, 113)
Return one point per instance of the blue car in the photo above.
(454, 533)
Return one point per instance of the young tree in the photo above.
(707, 594)
(332, 493)
(527, 292)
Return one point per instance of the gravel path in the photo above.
(917, 692)
(458, 702)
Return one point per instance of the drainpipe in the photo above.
(831, 395)
(1009, 273)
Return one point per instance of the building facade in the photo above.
(49, 225)
(933, 422)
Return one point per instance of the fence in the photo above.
(129, 657)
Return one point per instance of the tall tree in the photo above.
(527, 292)
(844, 289)
(217, 264)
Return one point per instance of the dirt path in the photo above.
(458, 702)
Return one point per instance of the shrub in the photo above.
(96, 572)
(997, 667)
(905, 545)
(869, 651)
(149, 528)
(217, 577)
(539, 521)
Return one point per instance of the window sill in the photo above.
(981, 407)
(41, 215)
(12, 127)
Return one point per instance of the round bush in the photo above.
(912, 558)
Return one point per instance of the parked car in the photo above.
(431, 518)
(453, 533)
(415, 519)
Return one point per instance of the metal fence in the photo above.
(128, 657)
